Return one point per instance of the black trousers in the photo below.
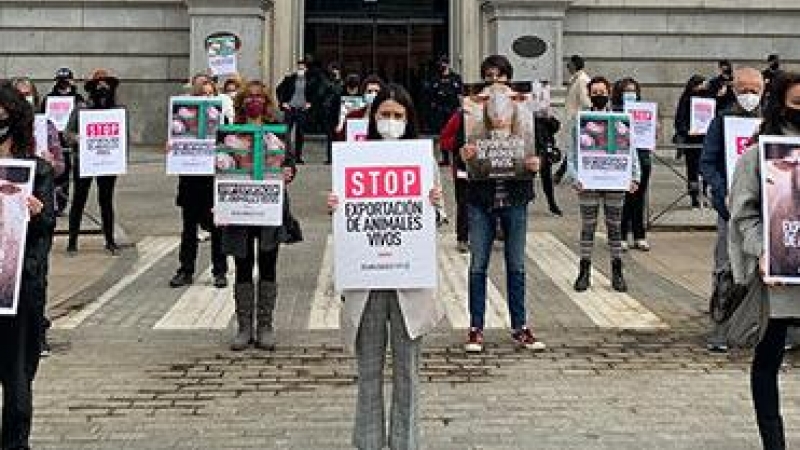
(193, 219)
(546, 172)
(62, 183)
(267, 261)
(764, 384)
(297, 121)
(105, 198)
(462, 216)
(633, 211)
(692, 156)
(19, 361)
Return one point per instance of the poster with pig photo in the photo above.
(249, 183)
(604, 151)
(498, 120)
(780, 187)
(193, 125)
(16, 185)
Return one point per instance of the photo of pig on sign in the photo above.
(498, 119)
(605, 159)
(193, 124)
(16, 185)
(780, 187)
(385, 225)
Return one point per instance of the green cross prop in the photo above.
(202, 104)
(259, 155)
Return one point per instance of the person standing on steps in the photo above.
(297, 95)
(196, 200)
(577, 100)
(372, 318)
(102, 90)
(689, 144)
(251, 245)
(599, 95)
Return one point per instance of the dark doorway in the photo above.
(399, 40)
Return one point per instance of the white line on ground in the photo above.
(201, 307)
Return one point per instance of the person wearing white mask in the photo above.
(370, 87)
(370, 319)
(748, 85)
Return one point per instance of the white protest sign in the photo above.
(644, 124)
(248, 202)
(41, 135)
(739, 132)
(16, 185)
(605, 155)
(103, 142)
(193, 125)
(357, 129)
(702, 112)
(222, 56)
(58, 109)
(385, 225)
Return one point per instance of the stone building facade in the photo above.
(154, 45)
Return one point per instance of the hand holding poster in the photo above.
(702, 112)
(605, 160)
(357, 129)
(16, 185)
(644, 124)
(222, 54)
(385, 225)
(498, 120)
(249, 186)
(193, 124)
(739, 132)
(780, 187)
(103, 142)
(59, 109)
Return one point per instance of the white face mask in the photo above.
(391, 128)
(749, 101)
(629, 97)
(301, 72)
(369, 97)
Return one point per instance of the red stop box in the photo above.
(383, 182)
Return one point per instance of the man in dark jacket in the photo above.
(445, 92)
(297, 94)
(748, 88)
(720, 87)
(506, 201)
(64, 87)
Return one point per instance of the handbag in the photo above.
(749, 320)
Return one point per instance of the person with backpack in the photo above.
(748, 87)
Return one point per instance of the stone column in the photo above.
(244, 18)
(518, 28)
(465, 21)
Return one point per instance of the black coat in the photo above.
(285, 90)
(196, 192)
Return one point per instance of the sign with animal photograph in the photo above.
(16, 185)
(385, 225)
(193, 125)
(702, 112)
(498, 121)
(780, 187)
(223, 54)
(605, 159)
(739, 132)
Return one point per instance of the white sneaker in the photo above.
(642, 245)
(625, 246)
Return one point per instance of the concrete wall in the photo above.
(145, 43)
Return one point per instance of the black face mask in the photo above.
(5, 130)
(775, 66)
(792, 116)
(102, 96)
(599, 101)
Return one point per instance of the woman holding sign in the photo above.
(250, 244)
(370, 319)
(750, 260)
(595, 135)
(21, 335)
(689, 141)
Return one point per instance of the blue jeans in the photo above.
(482, 226)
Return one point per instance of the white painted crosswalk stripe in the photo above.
(151, 250)
(201, 307)
(606, 308)
(326, 305)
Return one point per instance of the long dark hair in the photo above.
(691, 84)
(20, 114)
(619, 87)
(774, 112)
(400, 95)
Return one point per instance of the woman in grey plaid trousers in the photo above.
(373, 318)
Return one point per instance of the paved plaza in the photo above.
(138, 365)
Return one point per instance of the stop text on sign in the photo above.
(383, 182)
(641, 115)
(102, 129)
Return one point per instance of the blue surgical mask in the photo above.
(369, 97)
(629, 97)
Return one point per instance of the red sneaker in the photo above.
(524, 339)
(474, 342)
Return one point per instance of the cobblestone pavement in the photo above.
(139, 365)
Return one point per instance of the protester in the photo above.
(577, 100)
(506, 201)
(370, 88)
(408, 314)
(64, 87)
(332, 106)
(547, 128)
(55, 157)
(748, 260)
(444, 95)
(720, 87)
(773, 69)
(229, 90)
(102, 90)
(21, 335)
(251, 244)
(633, 210)
(748, 85)
(297, 94)
(690, 144)
(599, 95)
(451, 140)
(196, 200)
